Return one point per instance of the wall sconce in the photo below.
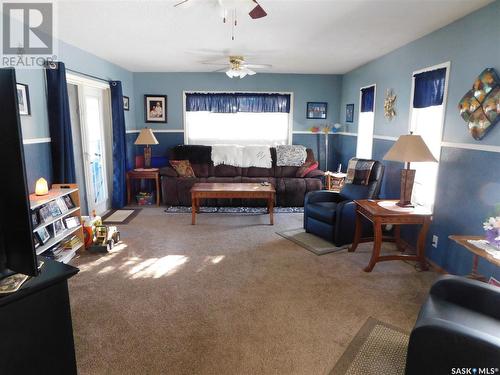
(41, 187)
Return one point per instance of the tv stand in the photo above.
(36, 333)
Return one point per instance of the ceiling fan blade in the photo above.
(257, 12)
(180, 3)
(258, 66)
(213, 63)
(220, 70)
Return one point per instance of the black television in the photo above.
(17, 250)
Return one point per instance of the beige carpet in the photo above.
(229, 296)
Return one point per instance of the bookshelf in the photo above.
(49, 211)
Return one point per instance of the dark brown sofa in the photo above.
(290, 190)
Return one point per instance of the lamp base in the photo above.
(407, 180)
(147, 157)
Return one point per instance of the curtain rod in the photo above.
(88, 75)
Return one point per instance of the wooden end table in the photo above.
(390, 214)
(335, 180)
(146, 174)
(232, 190)
(477, 253)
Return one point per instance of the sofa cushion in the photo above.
(322, 211)
(226, 171)
(257, 172)
(201, 170)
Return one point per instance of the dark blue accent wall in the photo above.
(38, 163)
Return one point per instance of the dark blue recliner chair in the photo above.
(458, 328)
(332, 215)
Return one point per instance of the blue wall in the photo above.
(468, 184)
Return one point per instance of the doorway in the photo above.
(90, 109)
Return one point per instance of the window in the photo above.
(238, 118)
(426, 119)
(366, 122)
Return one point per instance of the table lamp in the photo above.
(146, 138)
(408, 148)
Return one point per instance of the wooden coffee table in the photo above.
(205, 190)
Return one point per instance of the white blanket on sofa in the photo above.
(257, 156)
(240, 156)
(228, 155)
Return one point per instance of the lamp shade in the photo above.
(409, 148)
(146, 137)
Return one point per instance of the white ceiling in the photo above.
(301, 36)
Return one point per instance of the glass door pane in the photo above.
(94, 150)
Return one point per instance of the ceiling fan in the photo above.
(256, 12)
(238, 67)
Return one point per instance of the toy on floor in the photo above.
(105, 237)
(99, 238)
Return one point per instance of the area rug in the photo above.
(234, 210)
(120, 216)
(309, 241)
(377, 348)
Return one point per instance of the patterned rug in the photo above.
(310, 242)
(234, 210)
(378, 348)
(120, 216)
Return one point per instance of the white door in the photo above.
(94, 149)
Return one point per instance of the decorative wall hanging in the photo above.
(349, 112)
(126, 103)
(389, 101)
(23, 98)
(155, 108)
(316, 110)
(480, 107)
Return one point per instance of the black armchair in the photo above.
(332, 215)
(458, 327)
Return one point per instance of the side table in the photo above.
(146, 174)
(389, 213)
(477, 253)
(335, 180)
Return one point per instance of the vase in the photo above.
(493, 237)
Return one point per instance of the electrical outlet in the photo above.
(435, 240)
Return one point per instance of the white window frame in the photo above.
(374, 85)
(290, 114)
(446, 65)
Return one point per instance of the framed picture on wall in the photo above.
(23, 99)
(126, 103)
(155, 108)
(349, 113)
(316, 110)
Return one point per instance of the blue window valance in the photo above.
(237, 102)
(367, 99)
(429, 88)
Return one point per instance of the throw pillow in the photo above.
(183, 168)
(306, 168)
(358, 171)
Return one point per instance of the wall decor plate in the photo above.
(480, 106)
